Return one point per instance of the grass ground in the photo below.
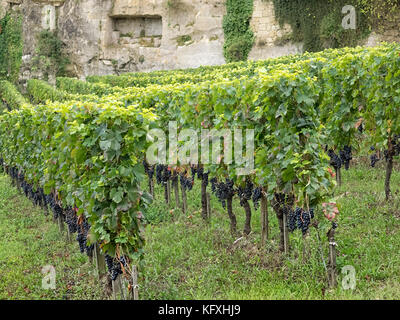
(188, 259)
(31, 241)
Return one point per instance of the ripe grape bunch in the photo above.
(186, 182)
(335, 161)
(245, 193)
(200, 172)
(214, 182)
(223, 191)
(345, 156)
(57, 211)
(374, 158)
(396, 148)
(83, 230)
(159, 173)
(114, 266)
(257, 195)
(71, 219)
(300, 219)
(166, 175)
(148, 169)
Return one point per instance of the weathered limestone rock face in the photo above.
(167, 34)
(4, 5)
(114, 36)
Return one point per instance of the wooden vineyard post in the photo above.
(184, 199)
(285, 232)
(332, 258)
(135, 286)
(116, 287)
(338, 177)
(175, 183)
(60, 223)
(151, 187)
(69, 237)
(169, 191)
(264, 219)
(208, 206)
(100, 261)
(122, 287)
(203, 200)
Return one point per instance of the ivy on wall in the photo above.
(11, 46)
(381, 12)
(318, 23)
(239, 38)
(50, 58)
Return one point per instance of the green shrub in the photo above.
(10, 96)
(318, 23)
(50, 59)
(76, 86)
(239, 37)
(40, 91)
(11, 46)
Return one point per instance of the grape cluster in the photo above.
(245, 193)
(396, 145)
(83, 230)
(200, 172)
(163, 174)
(281, 198)
(57, 211)
(396, 148)
(37, 197)
(214, 182)
(300, 219)
(71, 219)
(148, 169)
(68, 215)
(186, 182)
(159, 173)
(257, 195)
(204, 178)
(346, 156)
(193, 170)
(166, 174)
(115, 266)
(374, 159)
(223, 191)
(335, 161)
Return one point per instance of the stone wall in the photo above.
(4, 5)
(270, 36)
(115, 36)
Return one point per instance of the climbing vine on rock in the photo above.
(11, 45)
(380, 12)
(50, 58)
(318, 23)
(239, 38)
